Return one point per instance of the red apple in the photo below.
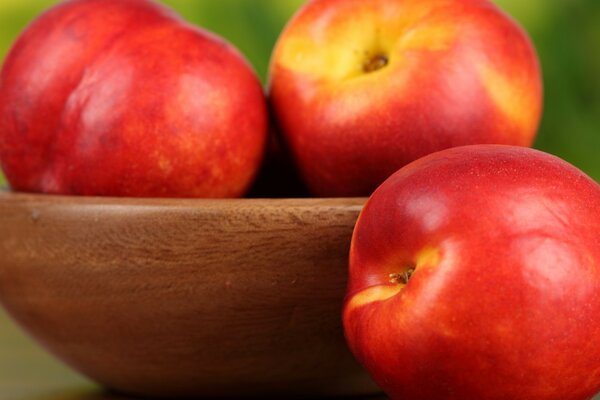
(361, 88)
(475, 274)
(124, 98)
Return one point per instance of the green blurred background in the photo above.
(565, 32)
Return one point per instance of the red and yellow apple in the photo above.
(361, 88)
(475, 274)
(124, 98)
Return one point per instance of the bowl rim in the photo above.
(8, 197)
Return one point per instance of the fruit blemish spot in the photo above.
(375, 63)
(403, 277)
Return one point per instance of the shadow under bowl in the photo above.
(173, 297)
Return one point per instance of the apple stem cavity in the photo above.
(375, 63)
(403, 277)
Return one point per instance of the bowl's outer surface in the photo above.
(185, 297)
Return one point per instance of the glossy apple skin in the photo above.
(459, 72)
(505, 295)
(124, 98)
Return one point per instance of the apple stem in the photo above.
(403, 277)
(375, 63)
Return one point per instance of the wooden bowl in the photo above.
(185, 297)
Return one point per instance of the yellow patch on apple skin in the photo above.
(429, 256)
(514, 99)
(426, 258)
(165, 165)
(336, 45)
(430, 37)
(374, 294)
(330, 54)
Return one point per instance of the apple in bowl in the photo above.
(474, 275)
(361, 88)
(124, 98)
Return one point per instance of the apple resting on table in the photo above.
(361, 88)
(124, 98)
(475, 275)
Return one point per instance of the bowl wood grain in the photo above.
(185, 297)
